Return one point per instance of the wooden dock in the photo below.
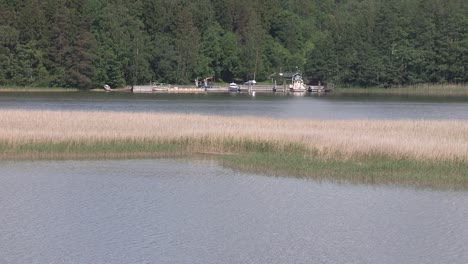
(220, 89)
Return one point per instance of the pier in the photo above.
(224, 89)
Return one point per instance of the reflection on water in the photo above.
(177, 211)
(324, 107)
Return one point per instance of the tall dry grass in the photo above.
(422, 140)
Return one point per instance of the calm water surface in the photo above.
(311, 107)
(178, 211)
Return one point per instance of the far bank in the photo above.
(449, 90)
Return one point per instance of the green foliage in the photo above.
(212, 52)
(187, 47)
(230, 59)
(84, 44)
(8, 38)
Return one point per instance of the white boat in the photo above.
(233, 87)
(317, 89)
(297, 84)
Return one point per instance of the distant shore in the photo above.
(420, 89)
(422, 153)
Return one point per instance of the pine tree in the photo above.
(187, 46)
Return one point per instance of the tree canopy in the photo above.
(87, 43)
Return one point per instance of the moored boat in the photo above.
(233, 87)
(297, 84)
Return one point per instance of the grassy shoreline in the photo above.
(262, 158)
(36, 89)
(406, 152)
(420, 89)
(409, 173)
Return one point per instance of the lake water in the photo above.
(281, 106)
(179, 211)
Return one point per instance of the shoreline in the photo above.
(415, 90)
(452, 175)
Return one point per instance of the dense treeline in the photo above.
(86, 43)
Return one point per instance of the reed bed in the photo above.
(93, 132)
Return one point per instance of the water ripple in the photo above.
(178, 211)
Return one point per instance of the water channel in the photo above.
(281, 106)
(196, 211)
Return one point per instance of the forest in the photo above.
(366, 43)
